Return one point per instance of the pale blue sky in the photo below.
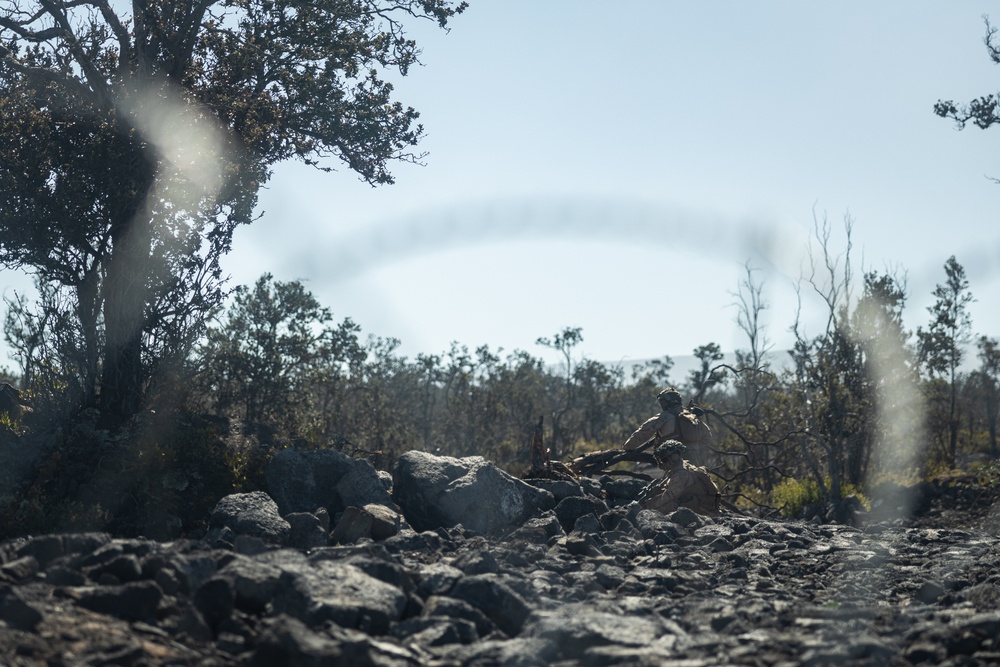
(613, 165)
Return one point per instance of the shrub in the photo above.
(792, 496)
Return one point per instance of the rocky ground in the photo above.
(590, 581)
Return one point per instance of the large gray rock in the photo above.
(375, 522)
(441, 492)
(491, 595)
(307, 531)
(136, 601)
(254, 581)
(570, 509)
(519, 652)
(560, 488)
(288, 641)
(304, 481)
(656, 525)
(338, 592)
(577, 627)
(254, 514)
(621, 491)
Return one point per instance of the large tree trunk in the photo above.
(125, 296)
(88, 310)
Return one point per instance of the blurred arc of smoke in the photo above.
(612, 220)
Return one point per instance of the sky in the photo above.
(617, 166)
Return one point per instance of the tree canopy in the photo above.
(136, 137)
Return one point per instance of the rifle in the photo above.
(651, 490)
(588, 464)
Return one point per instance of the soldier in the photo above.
(683, 484)
(663, 425)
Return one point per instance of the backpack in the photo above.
(693, 430)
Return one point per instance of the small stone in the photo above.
(929, 592)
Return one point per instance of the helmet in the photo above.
(667, 449)
(669, 397)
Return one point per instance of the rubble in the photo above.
(582, 582)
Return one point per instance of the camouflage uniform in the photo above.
(663, 425)
(683, 484)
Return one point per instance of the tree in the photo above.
(596, 382)
(654, 372)
(752, 379)
(837, 373)
(707, 375)
(892, 428)
(983, 112)
(48, 346)
(750, 306)
(989, 369)
(563, 342)
(136, 137)
(270, 352)
(942, 344)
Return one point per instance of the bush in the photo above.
(792, 496)
(161, 476)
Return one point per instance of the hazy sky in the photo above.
(613, 166)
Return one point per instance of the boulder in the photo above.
(539, 529)
(526, 652)
(570, 509)
(304, 481)
(575, 628)
(254, 582)
(439, 606)
(17, 613)
(434, 632)
(492, 596)
(657, 526)
(442, 492)
(622, 491)
(307, 531)
(254, 514)
(372, 521)
(560, 488)
(289, 641)
(338, 592)
(136, 601)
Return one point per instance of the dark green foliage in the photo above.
(982, 111)
(707, 375)
(160, 475)
(563, 342)
(942, 344)
(275, 345)
(275, 361)
(134, 144)
(989, 386)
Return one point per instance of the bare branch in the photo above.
(121, 33)
(93, 75)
